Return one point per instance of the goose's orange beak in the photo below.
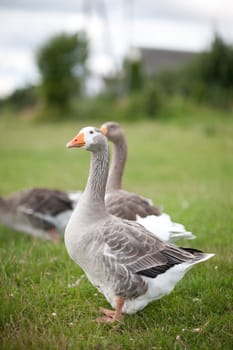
(77, 141)
(104, 130)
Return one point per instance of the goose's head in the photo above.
(112, 131)
(89, 138)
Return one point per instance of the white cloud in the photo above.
(22, 32)
(172, 34)
(17, 68)
(210, 10)
(37, 5)
(29, 28)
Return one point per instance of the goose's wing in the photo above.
(131, 245)
(129, 205)
(40, 205)
(46, 201)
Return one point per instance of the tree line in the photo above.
(62, 64)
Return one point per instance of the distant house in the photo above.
(158, 60)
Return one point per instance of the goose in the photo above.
(40, 212)
(132, 206)
(128, 264)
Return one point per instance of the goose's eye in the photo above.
(91, 132)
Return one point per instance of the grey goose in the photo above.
(128, 264)
(40, 212)
(130, 205)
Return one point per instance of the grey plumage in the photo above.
(120, 257)
(132, 206)
(37, 210)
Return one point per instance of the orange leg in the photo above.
(112, 315)
(54, 235)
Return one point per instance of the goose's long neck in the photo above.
(96, 184)
(119, 156)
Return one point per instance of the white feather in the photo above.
(158, 287)
(163, 227)
(74, 197)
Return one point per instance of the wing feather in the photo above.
(128, 205)
(131, 245)
(128, 251)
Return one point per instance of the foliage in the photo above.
(132, 107)
(216, 66)
(189, 171)
(207, 79)
(21, 98)
(133, 73)
(153, 100)
(129, 80)
(129, 95)
(62, 64)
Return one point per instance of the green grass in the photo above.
(187, 169)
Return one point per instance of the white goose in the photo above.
(127, 263)
(129, 205)
(41, 212)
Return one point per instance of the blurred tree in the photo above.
(21, 98)
(207, 79)
(62, 64)
(153, 99)
(211, 75)
(133, 71)
(216, 66)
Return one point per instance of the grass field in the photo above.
(187, 169)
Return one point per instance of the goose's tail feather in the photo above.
(199, 256)
(163, 227)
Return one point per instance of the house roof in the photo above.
(157, 60)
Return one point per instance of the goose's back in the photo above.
(128, 205)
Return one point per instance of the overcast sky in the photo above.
(113, 27)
